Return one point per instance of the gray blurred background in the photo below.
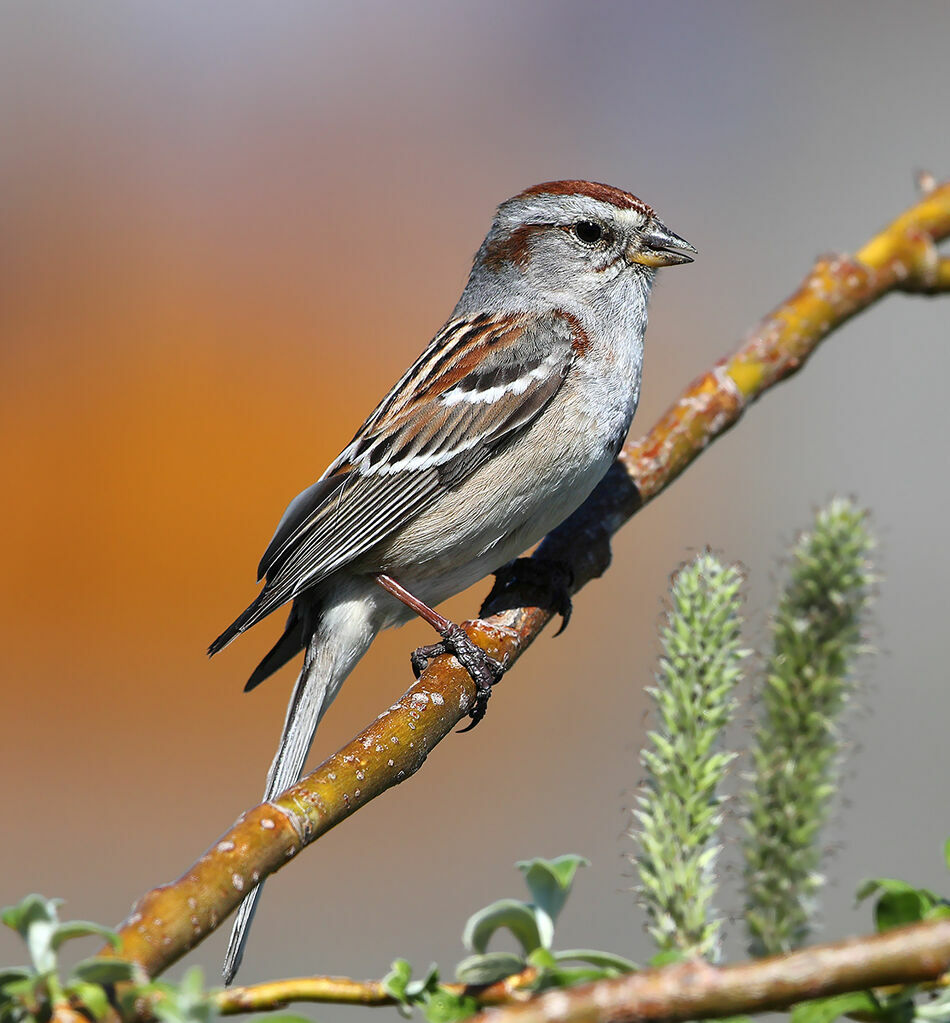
(226, 228)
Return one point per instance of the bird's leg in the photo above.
(538, 582)
(484, 670)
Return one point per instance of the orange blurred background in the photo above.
(225, 229)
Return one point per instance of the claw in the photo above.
(565, 607)
(475, 719)
(421, 657)
(483, 669)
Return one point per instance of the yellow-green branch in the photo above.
(170, 920)
(277, 994)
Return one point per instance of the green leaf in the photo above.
(895, 910)
(936, 1011)
(21, 988)
(826, 1010)
(532, 927)
(542, 958)
(900, 903)
(568, 976)
(32, 907)
(11, 974)
(882, 884)
(35, 920)
(946, 853)
(550, 881)
(399, 985)
(445, 1007)
(488, 968)
(83, 929)
(667, 958)
(167, 1010)
(394, 983)
(192, 985)
(91, 996)
(415, 989)
(605, 960)
(106, 971)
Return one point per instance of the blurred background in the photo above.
(226, 228)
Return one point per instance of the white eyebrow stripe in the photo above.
(456, 395)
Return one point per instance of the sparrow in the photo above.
(491, 438)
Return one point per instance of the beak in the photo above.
(652, 246)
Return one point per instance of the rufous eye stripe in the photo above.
(511, 248)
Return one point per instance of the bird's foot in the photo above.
(483, 669)
(540, 582)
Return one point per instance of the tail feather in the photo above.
(307, 706)
(335, 641)
(289, 645)
(268, 600)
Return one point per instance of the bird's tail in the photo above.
(268, 600)
(338, 640)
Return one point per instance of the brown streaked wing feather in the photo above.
(472, 391)
(508, 422)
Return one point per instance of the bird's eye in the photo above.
(588, 232)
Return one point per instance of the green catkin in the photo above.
(679, 808)
(817, 636)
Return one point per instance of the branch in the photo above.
(277, 994)
(693, 990)
(696, 990)
(172, 919)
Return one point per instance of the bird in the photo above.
(493, 436)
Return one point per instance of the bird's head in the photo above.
(577, 240)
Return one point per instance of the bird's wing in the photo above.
(479, 383)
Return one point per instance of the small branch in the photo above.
(341, 990)
(696, 990)
(172, 919)
(277, 994)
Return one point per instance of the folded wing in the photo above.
(479, 383)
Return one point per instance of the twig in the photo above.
(696, 990)
(172, 919)
(341, 990)
(276, 994)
